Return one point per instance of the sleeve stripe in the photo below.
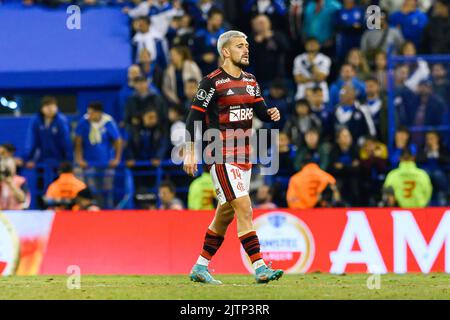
(198, 108)
(259, 99)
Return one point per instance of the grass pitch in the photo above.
(236, 287)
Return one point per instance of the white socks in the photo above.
(202, 261)
(258, 263)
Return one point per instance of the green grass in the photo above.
(309, 286)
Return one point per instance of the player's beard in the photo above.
(241, 64)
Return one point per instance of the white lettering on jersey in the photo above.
(208, 97)
(248, 79)
(241, 114)
(223, 81)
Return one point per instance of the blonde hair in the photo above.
(227, 36)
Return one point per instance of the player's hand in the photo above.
(189, 163)
(274, 114)
(114, 163)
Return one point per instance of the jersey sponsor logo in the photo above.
(223, 81)
(201, 94)
(247, 79)
(230, 92)
(241, 114)
(285, 240)
(250, 90)
(208, 97)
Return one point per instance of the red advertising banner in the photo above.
(326, 240)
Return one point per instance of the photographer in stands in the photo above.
(14, 194)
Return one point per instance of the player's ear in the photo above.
(225, 50)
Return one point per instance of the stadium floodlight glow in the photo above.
(4, 101)
(12, 105)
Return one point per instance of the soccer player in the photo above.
(225, 100)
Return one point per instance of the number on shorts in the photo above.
(236, 174)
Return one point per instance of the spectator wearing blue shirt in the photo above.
(276, 10)
(347, 75)
(277, 96)
(350, 25)
(149, 142)
(322, 111)
(48, 138)
(435, 159)
(320, 21)
(205, 43)
(350, 114)
(410, 20)
(98, 150)
(345, 166)
(402, 142)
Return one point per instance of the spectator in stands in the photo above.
(275, 10)
(302, 120)
(286, 154)
(263, 198)
(190, 90)
(143, 98)
(63, 190)
(373, 163)
(385, 39)
(146, 38)
(202, 194)
(48, 137)
(140, 8)
(380, 70)
(199, 10)
(180, 69)
(441, 82)
(8, 150)
(306, 186)
(84, 201)
(322, 111)
(320, 21)
(388, 198)
(347, 75)
(269, 48)
(435, 160)
(410, 20)
(98, 150)
(350, 26)
(377, 107)
(424, 109)
(177, 125)
(344, 167)
(435, 38)
(205, 43)
(350, 114)
(402, 141)
(278, 96)
(314, 149)
(14, 193)
(356, 58)
(396, 5)
(181, 31)
(127, 90)
(412, 186)
(417, 71)
(161, 13)
(149, 141)
(168, 198)
(311, 69)
(151, 70)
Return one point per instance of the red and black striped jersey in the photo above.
(228, 103)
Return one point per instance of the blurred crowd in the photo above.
(315, 60)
